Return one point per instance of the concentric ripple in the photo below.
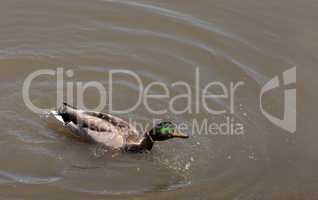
(160, 41)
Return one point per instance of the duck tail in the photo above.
(68, 105)
(64, 107)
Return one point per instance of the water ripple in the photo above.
(258, 77)
(15, 178)
(185, 18)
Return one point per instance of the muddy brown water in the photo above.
(165, 41)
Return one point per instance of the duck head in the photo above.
(165, 131)
(162, 131)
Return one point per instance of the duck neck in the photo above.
(147, 142)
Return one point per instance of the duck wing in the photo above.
(106, 137)
(88, 128)
(113, 124)
(95, 127)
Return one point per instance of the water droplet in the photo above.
(251, 157)
(187, 166)
(70, 73)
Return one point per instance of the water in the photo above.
(230, 41)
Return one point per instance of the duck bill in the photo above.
(180, 135)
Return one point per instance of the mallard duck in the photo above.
(110, 131)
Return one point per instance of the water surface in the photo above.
(230, 41)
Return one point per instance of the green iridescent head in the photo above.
(165, 131)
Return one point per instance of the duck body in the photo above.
(98, 128)
(108, 130)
